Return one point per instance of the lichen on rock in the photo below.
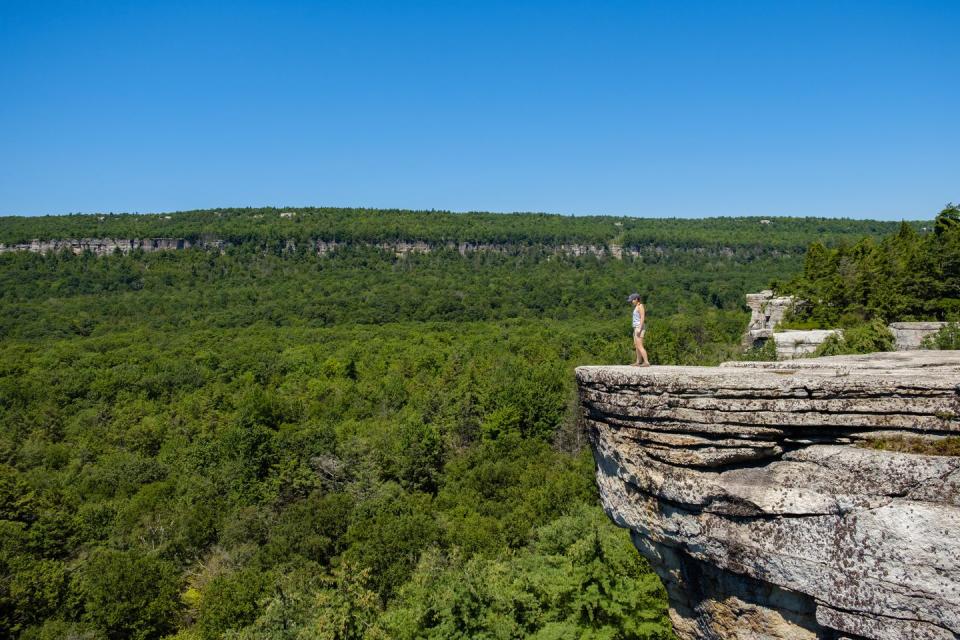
(742, 485)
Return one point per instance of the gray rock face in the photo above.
(909, 335)
(799, 344)
(742, 486)
(106, 246)
(766, 311)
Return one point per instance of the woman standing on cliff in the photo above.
(639, 329)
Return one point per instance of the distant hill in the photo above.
(304, 225)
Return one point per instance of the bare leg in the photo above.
(641, 352)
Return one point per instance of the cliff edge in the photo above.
(743, 486)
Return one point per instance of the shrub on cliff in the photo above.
(766, 352)
(868, 338)
(947, 337)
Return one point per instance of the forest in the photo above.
(259, 443)
(861, 287)
(273, 227)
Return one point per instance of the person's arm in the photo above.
(643, 316)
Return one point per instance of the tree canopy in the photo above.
(903, 276)
(265, 442)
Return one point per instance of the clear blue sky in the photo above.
(838, 108)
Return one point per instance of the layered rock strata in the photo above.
(104, 246)
(744, 487)
(766, 312)
(799, 344)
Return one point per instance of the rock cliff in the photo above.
(744, 487)
(105, 246)
(766, 312)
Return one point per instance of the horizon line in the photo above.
(473, 212)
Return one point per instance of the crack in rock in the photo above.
(743, 487)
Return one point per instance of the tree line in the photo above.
(268, 226)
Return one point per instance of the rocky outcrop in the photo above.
(799, 344)
(910, 335)
(744, 487)
(104, 246)
(907, 336)
(406, 247)
(766, 312)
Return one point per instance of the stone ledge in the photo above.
(742, 487)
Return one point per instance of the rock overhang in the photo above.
(743, 479)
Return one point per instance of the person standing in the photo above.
(639, 329)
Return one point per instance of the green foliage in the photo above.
(128, 594)
(388, 534)
(948, 337)
(268, 229)
(231, 601)
(346, 608)
(494, 496)
(903, 276)
(947, 220)
(791, 323)
(868, 338)
(923, 446)
(578, 579)
(766, 352)
(268, 443)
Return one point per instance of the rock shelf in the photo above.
(742, 486)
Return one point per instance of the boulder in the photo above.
(909, 335)
(799, 344)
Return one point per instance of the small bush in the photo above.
(766, 352)
(947, 338)
(867, 338)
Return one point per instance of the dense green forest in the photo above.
(862, 286)
(260, 443)
(268, 226)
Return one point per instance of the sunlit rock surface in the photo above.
(766, 312)
(910, 335)
(800, 344)
(106, 246)
(743, 486)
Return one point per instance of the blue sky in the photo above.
(837, 108)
